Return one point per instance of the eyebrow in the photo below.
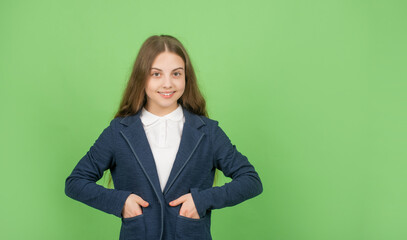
(162, 70)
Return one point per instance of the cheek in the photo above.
(150, 87)
(149, 92)
(181, 85)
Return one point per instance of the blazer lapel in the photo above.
(190, 140)
(136, 137)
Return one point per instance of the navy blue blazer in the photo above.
(123, 148)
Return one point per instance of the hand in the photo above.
(188, 208)
(132, 206)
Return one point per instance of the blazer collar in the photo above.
(191, 119)
(136, 138)
(148, 118)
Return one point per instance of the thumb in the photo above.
(141, 202)
(178, 201)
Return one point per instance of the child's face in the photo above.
(167, 75)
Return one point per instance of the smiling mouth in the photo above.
(166, 93)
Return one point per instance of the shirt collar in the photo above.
(148, 118)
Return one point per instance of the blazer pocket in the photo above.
(190, 228)
(133, 228)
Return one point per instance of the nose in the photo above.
(167, 82)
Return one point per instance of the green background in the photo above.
(312, 92)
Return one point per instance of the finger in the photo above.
(178, 201)
(182, 211)
(141, 202)
(138, 211)
(188, 211)
(132, 210)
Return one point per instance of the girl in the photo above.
(162, 151)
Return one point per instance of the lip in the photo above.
(169, 96)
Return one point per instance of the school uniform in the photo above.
(134, 161)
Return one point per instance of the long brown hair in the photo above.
(134, 96)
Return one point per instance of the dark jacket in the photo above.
(123, 147)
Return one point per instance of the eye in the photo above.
(177, 74)
(156, 74)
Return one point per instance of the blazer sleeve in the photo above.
(245, 182)
(81, 183)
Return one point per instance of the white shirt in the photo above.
(164, 136)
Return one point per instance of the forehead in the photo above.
(168, 61)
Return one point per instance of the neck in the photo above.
(160, 111)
